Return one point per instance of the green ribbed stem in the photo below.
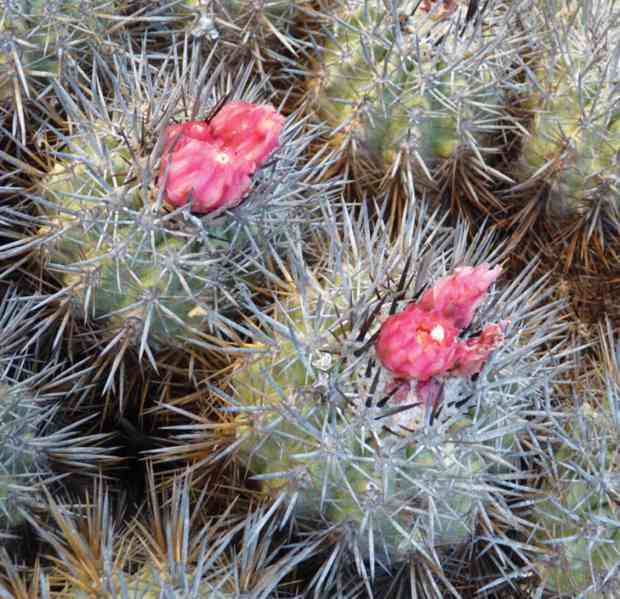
(138, 287)
(581, 538)
(43, 28)
(379, 97)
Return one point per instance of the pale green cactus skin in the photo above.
(579, 522)
(135, 268)
(90, 255)
(573, 143)
(394, 98)
(97, 241)
(273, 447)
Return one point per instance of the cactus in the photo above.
(567, 173)
(225, 558)
(15, 582)
(173, 550)
(578, 518)
(36, 36)
(147, 274)
(414, 92)
(258, 28)
(33, 446)
(344, 451)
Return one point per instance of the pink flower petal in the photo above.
(458, 295)
(251, 130)
(206, 172)
(417, 344)
(214, 161)
(474, 352)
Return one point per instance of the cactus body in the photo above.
(409, 89)
(328, 436)
(36, 36)
(571, 149)
(580, 522)
(135, 266)
(578, 519)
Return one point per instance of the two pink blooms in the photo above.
(213, 160)
(421, 342)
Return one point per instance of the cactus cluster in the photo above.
(270, 320)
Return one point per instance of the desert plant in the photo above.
(567, 172)
(174, 549)
(578, 516)
(414, 92)
(36, 37)
(147, 274)
(385, 469)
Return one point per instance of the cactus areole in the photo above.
(211, 162)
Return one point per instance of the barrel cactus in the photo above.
(265, 30)
(36, 37)
(226, 374)
(249, 24)
(175, 549)
(384, 468)
(151, 230)
(413, 91)
(567, 174)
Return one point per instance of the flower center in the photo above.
(438, 333)
(222, 157)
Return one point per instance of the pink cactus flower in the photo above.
(458, 295)
(417, 344)
(421, 342)
(474, 352)
(250, 130)
(213, 161)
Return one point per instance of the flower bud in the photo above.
(458, 295)
(214, 160)
(208, 173)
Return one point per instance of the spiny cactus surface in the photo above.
(132, 251)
